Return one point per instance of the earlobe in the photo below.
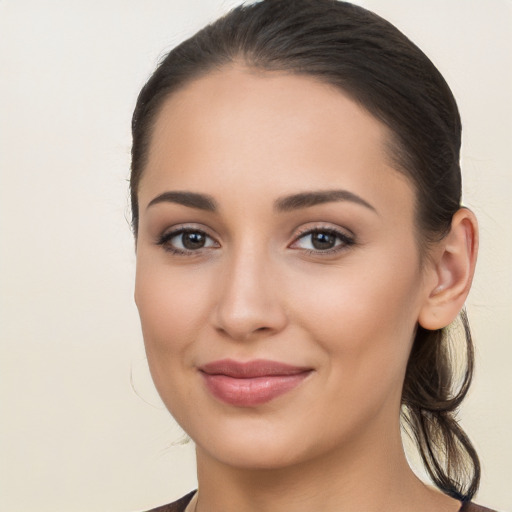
(453, 269)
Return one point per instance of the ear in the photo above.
(451, 273)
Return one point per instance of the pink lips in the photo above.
(252, 383)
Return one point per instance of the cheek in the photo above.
(363, 320)
(172, 311)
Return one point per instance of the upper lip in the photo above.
(251, 369)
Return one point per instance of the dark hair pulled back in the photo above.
(376, 65)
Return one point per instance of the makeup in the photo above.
(252, 383)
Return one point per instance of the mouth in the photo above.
(252, 383)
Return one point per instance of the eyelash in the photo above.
(165, 238)
(346, 241)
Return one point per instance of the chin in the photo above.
(258, 443)
(254, 456)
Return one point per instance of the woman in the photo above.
(301, 251)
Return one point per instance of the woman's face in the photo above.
(278, 275)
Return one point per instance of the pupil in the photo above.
(193, 240)
(323, 240)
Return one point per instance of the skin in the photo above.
(257, 291)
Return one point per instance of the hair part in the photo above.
(366, 57)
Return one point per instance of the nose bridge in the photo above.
(249, 300)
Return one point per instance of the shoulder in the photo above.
(472, 507)
(175, 506)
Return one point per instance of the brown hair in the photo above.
(380, 68)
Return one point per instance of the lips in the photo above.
(247, 384)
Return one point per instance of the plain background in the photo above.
(82, 428)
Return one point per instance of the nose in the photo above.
(249, 302)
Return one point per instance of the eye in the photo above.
(323, 240)
(186, 241)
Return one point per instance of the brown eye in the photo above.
(325, 241)
(193, 240)
(186, 241)
(322, 240)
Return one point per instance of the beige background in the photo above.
(74, 434)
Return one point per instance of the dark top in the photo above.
(181, 504)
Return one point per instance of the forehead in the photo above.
(267, 131)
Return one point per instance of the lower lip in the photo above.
(251, 391)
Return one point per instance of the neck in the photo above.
(371, 476)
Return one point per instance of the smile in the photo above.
(251, 383)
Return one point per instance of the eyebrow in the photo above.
(283, 204)
(190, 199)
(308, 199)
